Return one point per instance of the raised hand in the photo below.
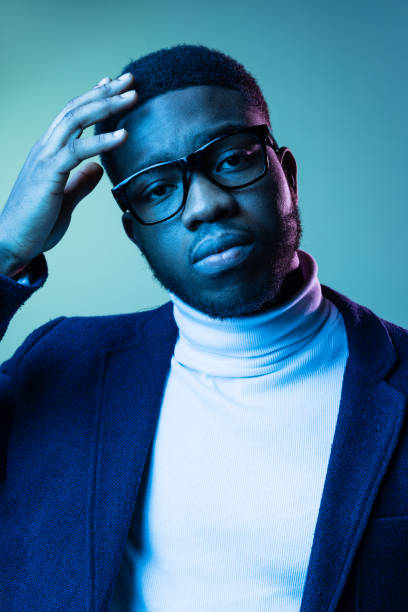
(38, 211)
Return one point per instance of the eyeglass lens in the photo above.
(233, 161)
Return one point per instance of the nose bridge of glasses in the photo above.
(193, 165)
(194, 161)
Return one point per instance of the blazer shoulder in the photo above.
(66, 339)
(376, 341)
(112, 331)
(396, 331)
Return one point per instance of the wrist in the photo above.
(11, 266)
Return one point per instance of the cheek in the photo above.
(261, 204)
(161, 248)
(274, 201)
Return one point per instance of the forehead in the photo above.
(177, 122)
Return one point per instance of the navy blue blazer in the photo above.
(80, 401)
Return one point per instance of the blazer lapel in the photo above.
(370, 417)
(131, 386)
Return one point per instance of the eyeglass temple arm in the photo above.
(271, 141)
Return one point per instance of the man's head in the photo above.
(188, 94)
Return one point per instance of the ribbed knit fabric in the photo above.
(239, 459)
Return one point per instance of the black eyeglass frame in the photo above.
(191, 162)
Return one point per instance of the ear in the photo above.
(289, 167)
(128, 224)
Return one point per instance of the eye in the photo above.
(235, 161)
(158, 191)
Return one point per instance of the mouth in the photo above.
(222, 252)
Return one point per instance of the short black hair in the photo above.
(179, 67)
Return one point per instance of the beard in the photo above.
(282, 284)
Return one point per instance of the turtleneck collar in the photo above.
(254, 345)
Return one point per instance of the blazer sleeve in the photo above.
(13, 294)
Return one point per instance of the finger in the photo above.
(76, 134)
(82, 183)
(88, 114)
(78, 187)
(103, 81)
(105, 88)
(79, 149)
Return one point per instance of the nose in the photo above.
(206, 202)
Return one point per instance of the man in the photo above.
(242, 447)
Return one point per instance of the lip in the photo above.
(225, 260)
(217, 244)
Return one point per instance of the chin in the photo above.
(240, 307)
(224, 304)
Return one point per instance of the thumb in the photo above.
(82, 183)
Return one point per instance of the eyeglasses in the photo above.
(232, 161)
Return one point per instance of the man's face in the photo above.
(173, 125)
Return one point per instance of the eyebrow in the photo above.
(198, 140)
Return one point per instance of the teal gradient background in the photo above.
(335, 77)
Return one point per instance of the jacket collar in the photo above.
(370, 417)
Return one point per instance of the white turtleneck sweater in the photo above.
(239, 459)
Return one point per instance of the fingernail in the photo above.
(103, 81)
(128, 94)
(124, 76)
